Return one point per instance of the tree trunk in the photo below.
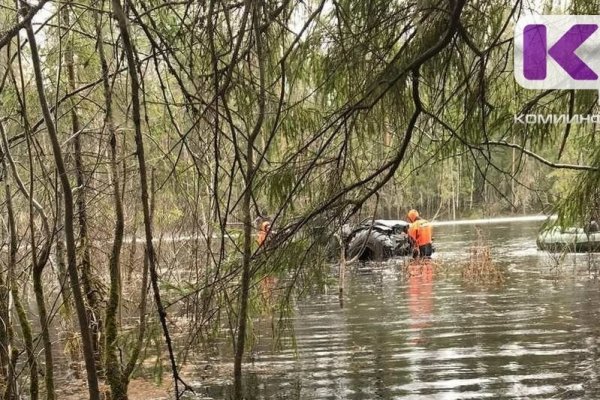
(86, 338)
(12, 284)
(121, 18)
(247, 212)
(246, 276)
(4, 334)
(6, 365)
(38, 263)
(117, 378)
(83, 240)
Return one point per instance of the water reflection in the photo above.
(420, 299)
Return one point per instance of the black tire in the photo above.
(374, 246)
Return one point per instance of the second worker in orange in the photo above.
(420, 232)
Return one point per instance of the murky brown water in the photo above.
(434, 336)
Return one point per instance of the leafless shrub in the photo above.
(480, 268)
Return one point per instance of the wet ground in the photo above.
(435, 336)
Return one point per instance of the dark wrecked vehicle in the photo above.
(377, 240)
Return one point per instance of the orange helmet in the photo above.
(265, 226)
(412, 215)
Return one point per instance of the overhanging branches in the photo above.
(539, 158)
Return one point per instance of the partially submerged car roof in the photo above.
(391, 223)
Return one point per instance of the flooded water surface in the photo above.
(435, 336)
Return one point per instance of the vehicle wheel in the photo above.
(374, 246)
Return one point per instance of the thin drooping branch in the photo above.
(541, 159)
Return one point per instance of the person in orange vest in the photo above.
(269, 282)
(263, 232)
(420, 233)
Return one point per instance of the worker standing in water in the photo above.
(265, 227)
(268, 282)
(420, 233)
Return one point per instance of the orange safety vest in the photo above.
(265, 227)
(421, 232)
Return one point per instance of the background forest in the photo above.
(141, 140)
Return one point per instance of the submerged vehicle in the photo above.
(378, 240)
(574, 240)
